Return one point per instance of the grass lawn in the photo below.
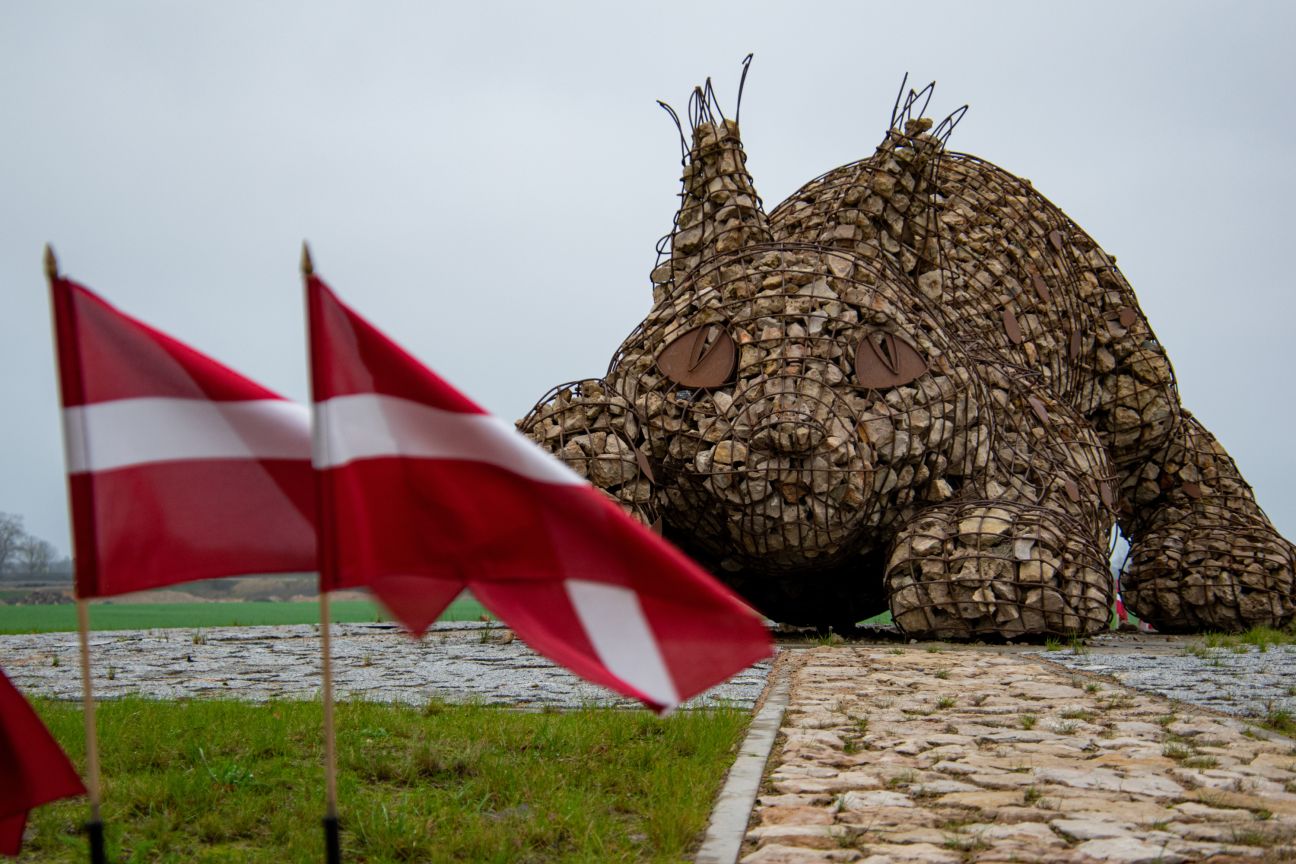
(148, 616)
(224, 781)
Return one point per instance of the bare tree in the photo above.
(36, 557)
(12, 537)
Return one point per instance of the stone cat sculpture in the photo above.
(915, 383)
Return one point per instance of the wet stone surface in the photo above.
(1244, 681)
(457, 662)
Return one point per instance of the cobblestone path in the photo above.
(892, 754)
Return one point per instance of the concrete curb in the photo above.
(728, 826)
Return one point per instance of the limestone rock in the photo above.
(915, 384)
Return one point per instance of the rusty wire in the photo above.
(981, 569)
(969, 470)
(589, 427)
(1203, 554)
(764, 502)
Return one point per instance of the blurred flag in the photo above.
(178, 467)
(33, 770)
(422, 494)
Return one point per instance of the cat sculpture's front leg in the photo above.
(591, 428)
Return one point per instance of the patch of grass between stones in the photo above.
(1279, 719)
(1258, 637)
(233, 781)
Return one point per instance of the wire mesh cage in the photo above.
(916, 378)
(591, 428)
(1203, 554)
(1024, 551)
(799, 405)
(1010, 270)
(988, 568)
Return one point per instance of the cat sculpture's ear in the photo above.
(886, 201)
(719, 210)
(913, 139)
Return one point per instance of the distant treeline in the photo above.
(27, 558)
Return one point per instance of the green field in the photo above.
(223, 781)
(149, 616)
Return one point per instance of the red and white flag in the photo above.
(422, 493)
(33, 769)
(178, 467)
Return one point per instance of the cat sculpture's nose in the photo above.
(788, 433)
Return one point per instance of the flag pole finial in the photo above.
(307, 265)
(51, 263)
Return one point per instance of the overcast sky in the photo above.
(486, 181)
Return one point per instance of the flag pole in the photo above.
(332, 840)
(94, 828)
(332, 844)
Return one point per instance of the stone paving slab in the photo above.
(892, 754)
(456, 661)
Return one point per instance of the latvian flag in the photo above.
(178, 467)
(423, 494)
(33, 768)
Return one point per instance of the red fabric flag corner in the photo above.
(34, 769)
(178, 467)
(422, 493)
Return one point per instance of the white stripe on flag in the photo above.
(615, 624)
(369, 426)
(125, 432)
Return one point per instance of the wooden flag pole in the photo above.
(94, 828)
(332, 843)
(332, 839)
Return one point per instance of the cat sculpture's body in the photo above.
(915, 383)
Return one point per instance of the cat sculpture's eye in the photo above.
(699, 358)
(883, 361)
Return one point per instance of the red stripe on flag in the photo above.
(33, 768)
(106, 355)
(382, 365)
(11, 834)
(179, 467)
(159, 524)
